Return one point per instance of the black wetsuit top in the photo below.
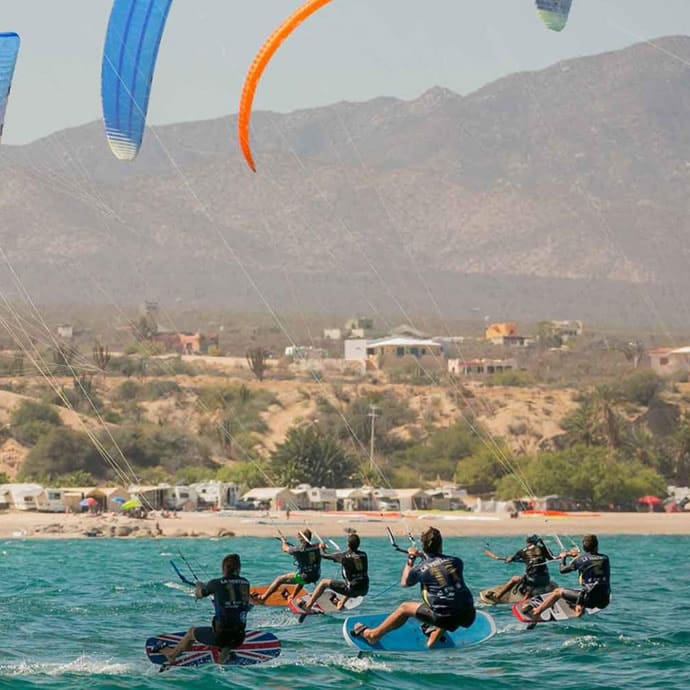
(443, 587)
(595, 572)
(230, 600)
(534, 556)
(307, 560)
(355, 568)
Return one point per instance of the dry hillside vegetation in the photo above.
(527, 418)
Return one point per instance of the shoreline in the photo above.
(31, 525)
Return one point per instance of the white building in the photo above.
(332, 334)
(667, 361)
(322, 499)
(352, 500)
(480, 367)
(277, 498)
(55, 500)
(217, 494)
(65, 331)
(24, 496)
(356, 350)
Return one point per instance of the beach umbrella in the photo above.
(132, 504)
(119, 500)
(650, 500)
(88, 502)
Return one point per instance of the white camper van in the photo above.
(55, 501)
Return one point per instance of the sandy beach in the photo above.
(21, 524)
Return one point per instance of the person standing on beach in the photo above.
(307, 560)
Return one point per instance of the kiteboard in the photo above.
(258, 647)
(413, 637)
(281, 597)
(514, 594)
(560, 611)
(326, 603)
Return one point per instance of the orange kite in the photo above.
(263, 57)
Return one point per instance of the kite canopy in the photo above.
(129, 60)
(554, 13)
(9, 50)
(263, 57)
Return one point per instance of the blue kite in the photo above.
(134, 34)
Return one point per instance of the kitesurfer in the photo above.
(355, 571)
(308, 561)
(595, 579)
(231, 602)
(536, 579)
(447, 604)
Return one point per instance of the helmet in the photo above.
(533, 539)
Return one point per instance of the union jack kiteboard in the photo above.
(258, 647)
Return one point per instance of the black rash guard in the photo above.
(443, 587)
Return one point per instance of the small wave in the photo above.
(82, 665)
(585, 642)
(351, 662)
(179, 587)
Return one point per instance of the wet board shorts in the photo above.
(222, 638)
(590, 599)
(461, 619)
(539, 582)
(349, 590)
(297, 579)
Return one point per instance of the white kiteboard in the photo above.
(412, 637)
(560, 611)
(514, 594)
(327, 603)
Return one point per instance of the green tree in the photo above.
(439, 453)
(642, 387)
(64, 356)
(32, 420)
(309, 456)
(353, 422)
(62, 451)
(247, 474)
(680, 454)
(480, 473)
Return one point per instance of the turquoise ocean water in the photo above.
(75, 614)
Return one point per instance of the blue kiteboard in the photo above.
(411, 637)
(258, 646)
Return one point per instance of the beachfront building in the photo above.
(23, 496)
(353, 500)
(274, 498)
(108, 499)
(413, 499)
(447, 498)
(322, 499)
(216, 494)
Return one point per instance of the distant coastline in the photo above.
(30, 525)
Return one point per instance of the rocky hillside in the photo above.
(554, 193)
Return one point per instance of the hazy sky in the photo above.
(350, 50)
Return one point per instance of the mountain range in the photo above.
(561, 193)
